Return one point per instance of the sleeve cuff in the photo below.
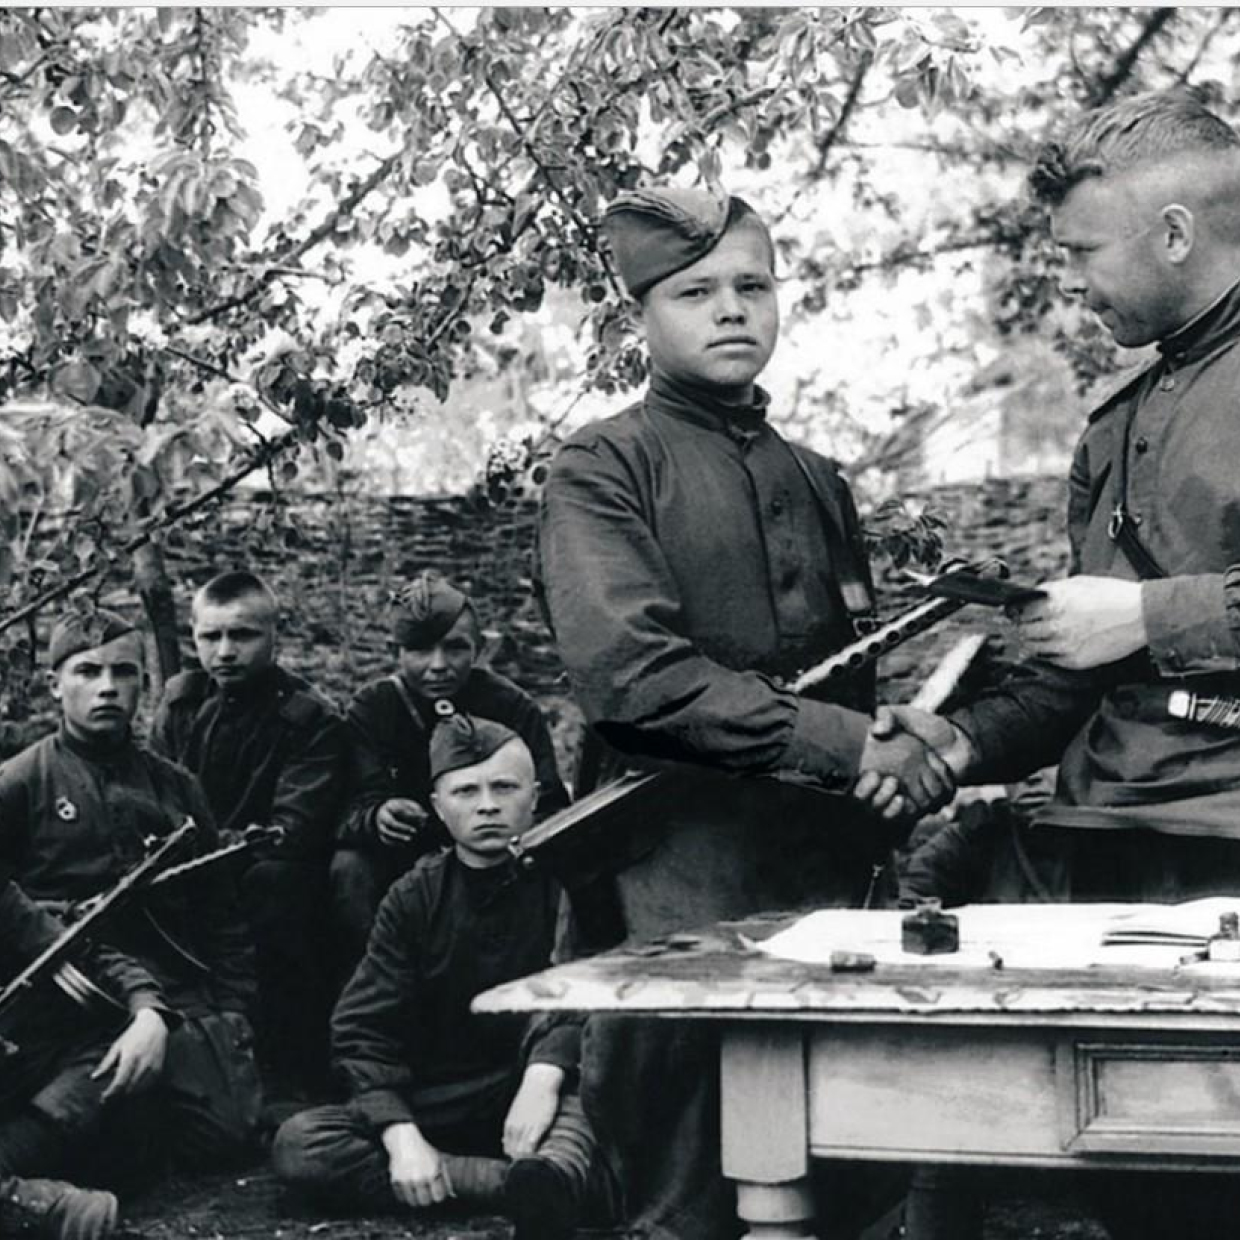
(381, 1108)
(1191, 623)
(826, 744)
(560, 1047)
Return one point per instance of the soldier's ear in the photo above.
(53, 685)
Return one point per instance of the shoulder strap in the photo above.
(857, 595)
(407, 698)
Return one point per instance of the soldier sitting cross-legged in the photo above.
(443, 1104)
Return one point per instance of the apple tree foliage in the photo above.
(151, 311)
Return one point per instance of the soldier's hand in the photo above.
(1084, 622)
(136, 1058)
(902, 776)
(398, 820)
(533, 1109)
(941, 735)
(415, 1167)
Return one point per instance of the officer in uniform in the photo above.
(1144, 200)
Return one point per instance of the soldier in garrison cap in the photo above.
(269, 750)
(692, 558)
(442, 1104)
(77, 810)
(390, 821)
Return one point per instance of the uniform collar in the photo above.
(267, 682)
(94, 750)
(1218, 323)
(701, 405)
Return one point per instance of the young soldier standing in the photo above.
(76, 811)
(693, 559)
(268, 750)
(390, 822)
(444, 1104)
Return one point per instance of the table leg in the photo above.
(765, 1129)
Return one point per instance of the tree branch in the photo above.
(1105, 91)
(178, 512)
(287, 256)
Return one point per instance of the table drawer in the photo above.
(1149, 1096)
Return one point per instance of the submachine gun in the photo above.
(580, 843)
(53, 963)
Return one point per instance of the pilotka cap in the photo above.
(426, 609)
(656, 232)
(461, 740)
(75, 632)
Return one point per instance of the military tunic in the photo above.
(692, 561)
(74, 817)
(388, 748)
(404, 1042)
(271, 751)
(1164, 448)
(692, 558)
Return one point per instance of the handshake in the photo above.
(911, 763)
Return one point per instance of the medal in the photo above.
(66, 811)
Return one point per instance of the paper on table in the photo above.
(1051, 936)
(1188, 924)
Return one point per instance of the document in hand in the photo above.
(1188, 924)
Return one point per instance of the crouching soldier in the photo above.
(77, 810)
(59, 1071)
(445, 1105)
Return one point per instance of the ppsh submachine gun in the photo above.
(55, 965)
(577, 844)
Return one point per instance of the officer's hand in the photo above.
(1084, 622)
(399, 820)
(533, 1109)
(415, 1167)
(136, 1058)
(941, 735)
(902, 776)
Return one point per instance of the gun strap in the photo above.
(410, 705)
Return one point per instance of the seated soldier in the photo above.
(437, 1094)
(77, 809)
(268, 750)
(63, 1065)
(389, 822)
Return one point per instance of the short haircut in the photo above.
(1123, 135)
(237, 584)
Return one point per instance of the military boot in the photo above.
(56, 1210)
(476, 1181)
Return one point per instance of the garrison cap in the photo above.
(426, 609)
(462, 740)
(75, 632)
(658, 231)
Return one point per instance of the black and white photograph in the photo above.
(619, 623)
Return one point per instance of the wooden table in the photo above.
(1122, 1063)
